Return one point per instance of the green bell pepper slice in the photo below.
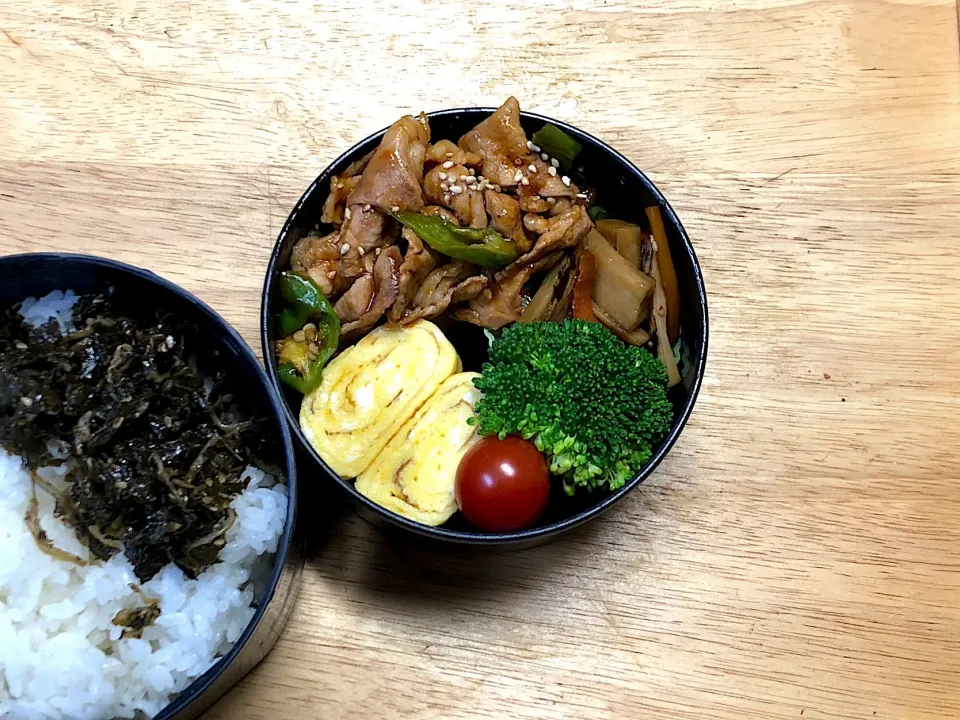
(556, 143)
(481, 246)
(310, 332)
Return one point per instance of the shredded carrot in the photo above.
(583, 287)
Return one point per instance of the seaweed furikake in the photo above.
(155, 446)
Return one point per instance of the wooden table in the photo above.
(798, 554)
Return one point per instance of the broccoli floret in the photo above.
(592, 404)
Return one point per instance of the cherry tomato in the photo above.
(502, 485)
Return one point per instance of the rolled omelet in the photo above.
(372, 389)
(414, 475)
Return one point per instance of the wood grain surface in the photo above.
(798, 553)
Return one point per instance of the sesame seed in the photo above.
(340, 185)
(442, 175)
(535, 148)
(366, 208)
(565, 180)
(581, 195)
(552, 171)
(395, 208)
(469, 179)
(344, 249)
(456, 189)
(27, 402)
(446, 198)
(361, 251)
(555, 162)
(444, 186)
(551, 200)
(529, 144)
(449, 154)
(544, 157)
(377, 252)
(346, 213)
(518, 177)
(471, 171)
(525, 181)
(332, 274)
(448, 164)
(532, 168)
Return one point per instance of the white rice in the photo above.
(61, 656)
(57, 305)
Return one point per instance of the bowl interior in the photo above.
(143, 295)
(624, 192)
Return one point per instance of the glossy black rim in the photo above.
(230, 337)
(460, 536)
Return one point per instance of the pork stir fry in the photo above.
(490, 230)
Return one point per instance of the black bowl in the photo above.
(624, 191)
(143, 294)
